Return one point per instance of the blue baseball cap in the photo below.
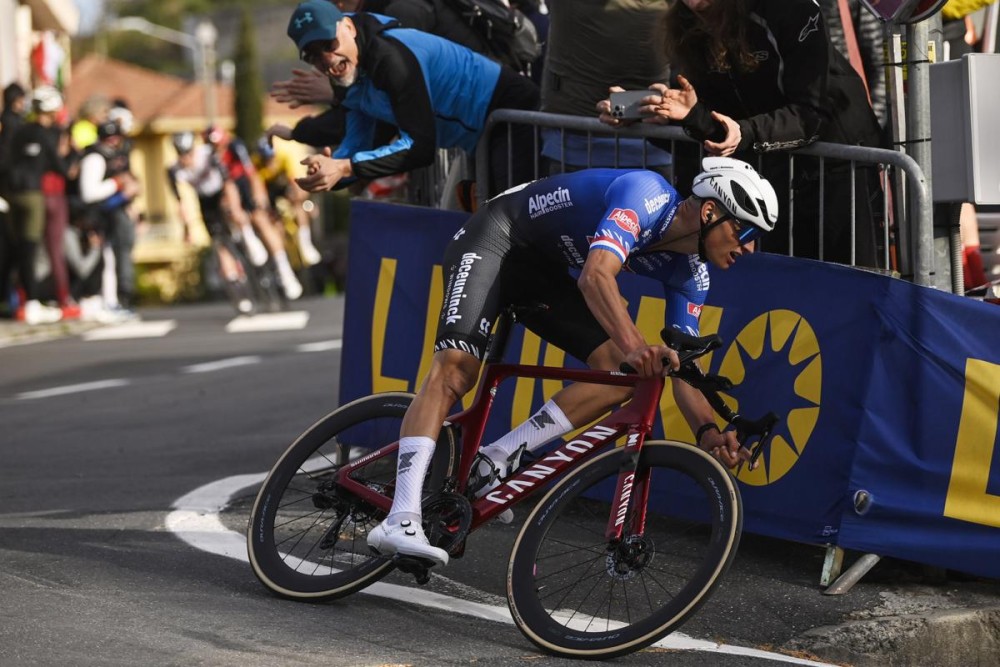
(313, 21)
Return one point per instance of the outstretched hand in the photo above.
(679, 101)
(305, 87)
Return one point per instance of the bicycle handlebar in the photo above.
(688, 349)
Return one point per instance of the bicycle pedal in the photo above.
(418, 567)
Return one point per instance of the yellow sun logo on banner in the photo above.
(782, 339)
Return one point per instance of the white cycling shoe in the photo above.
(406, 538)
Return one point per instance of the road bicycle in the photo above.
(252, 289)
(629, 539)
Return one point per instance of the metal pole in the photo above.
(918, 132)
(205, 35)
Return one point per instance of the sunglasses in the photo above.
(745, 232)
(315, 50)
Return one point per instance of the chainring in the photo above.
(447, 520)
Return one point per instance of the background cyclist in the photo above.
(218, 200)
(516, 250)
(235, 158)
(285, 198)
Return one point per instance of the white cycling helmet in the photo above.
(46, 99)
(183, 142)
(123, 117)
(740, 190)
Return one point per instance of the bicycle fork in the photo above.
(628, 506)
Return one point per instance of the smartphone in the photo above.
(625, 105)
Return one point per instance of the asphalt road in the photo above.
(128, 465)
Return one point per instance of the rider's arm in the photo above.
(697, 412)
(600, 291)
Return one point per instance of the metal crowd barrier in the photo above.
(910, 253)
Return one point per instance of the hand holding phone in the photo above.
(625, 105)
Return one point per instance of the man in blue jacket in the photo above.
(436, 93)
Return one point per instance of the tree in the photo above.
(249, 98)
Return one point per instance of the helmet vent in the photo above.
(743, 199)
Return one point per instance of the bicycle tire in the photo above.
(238, 292)
(266, 287)
(555, 605)
(289, 531)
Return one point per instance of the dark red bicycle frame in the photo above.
(633, 420)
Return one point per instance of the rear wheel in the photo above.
(307, 537)
(574, 593)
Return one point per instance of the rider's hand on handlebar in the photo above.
(725, 447)
(648, 360)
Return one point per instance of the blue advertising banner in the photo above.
(889, 392)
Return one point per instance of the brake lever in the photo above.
(762, 428)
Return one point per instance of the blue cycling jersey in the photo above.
(620, 211)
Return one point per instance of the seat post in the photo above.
(501, 333)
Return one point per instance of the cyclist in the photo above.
(234, 157)
(218, 199)
(516, 249)
(285, 197)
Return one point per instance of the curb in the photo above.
(18, 333)
(968, 637)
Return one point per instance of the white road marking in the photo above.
(195, 520)
(290, 321)
(221, 364)
(321, 346)
(127, 330)
(71, 389)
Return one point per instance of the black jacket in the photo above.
(802, 91)
(34, 150)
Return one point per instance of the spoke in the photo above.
(628, 609)
(645, 589)
(306, 496)
(649, 573)
(592, 548)
(580, 564)
(299, 541)
(582, 602)
(298, 518)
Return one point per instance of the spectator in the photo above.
(57, 209)
(958, 28)
(93, 112)
(960, 35)
(580, 68)
(761, 77)
(867, 37)
(437, 93)
(34, 148)
(82, 248)
(108, 187)
(11, 118)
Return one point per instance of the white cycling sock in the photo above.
(310, 255)
(541, 428)
(414, 459)
(281, 261)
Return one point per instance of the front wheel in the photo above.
(307, 537)
(574, 593)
